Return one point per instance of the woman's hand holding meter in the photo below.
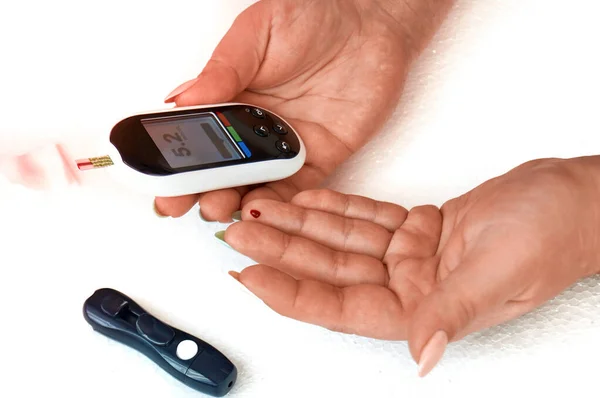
(427, 275)
(334, 69)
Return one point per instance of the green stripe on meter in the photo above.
(234, 134)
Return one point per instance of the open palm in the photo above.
(359, 266)
(345, 262)
(334, 71)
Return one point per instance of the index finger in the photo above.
(366, 310)
(220, 205)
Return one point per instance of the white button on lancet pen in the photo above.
(187, 349)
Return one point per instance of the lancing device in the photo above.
(185, 357)
(199, 149)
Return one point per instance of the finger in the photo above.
(233, 64)
(388, 215)
(308, 177)
(330, 230)
(175, 206)
(303, 258)
(418, 237)
(220, 205)
(481, 284)
(366, 310)
(280, 191)
(410, 259)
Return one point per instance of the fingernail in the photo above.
(235, 275)
(158, 213)
(180, 89)
(221, 237)
(432, 352)
(237, 216)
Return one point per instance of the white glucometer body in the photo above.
(198, 149)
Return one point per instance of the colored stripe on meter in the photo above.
(245, 149)
(234, 134)
(223, 119)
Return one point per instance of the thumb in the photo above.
(477, 287)
(233, 64)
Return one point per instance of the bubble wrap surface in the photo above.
(503, 82)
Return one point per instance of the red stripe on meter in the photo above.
(223, 119)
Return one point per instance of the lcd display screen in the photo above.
(193, 140)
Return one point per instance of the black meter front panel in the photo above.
(166, 143)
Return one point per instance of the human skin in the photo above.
(334, 68)
(428, 275)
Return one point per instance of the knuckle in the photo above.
(348, 230)
(286, 241)
(339, 324)
(467, 311)
(302, 216)
(464, 310)
(339, 261)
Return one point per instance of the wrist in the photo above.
(595, 175)
(416, 21)
(588, 171)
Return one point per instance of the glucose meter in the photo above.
(198, 149)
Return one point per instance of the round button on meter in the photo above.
(261, 131)
(283, 146)
(257, 113)
(279, 129)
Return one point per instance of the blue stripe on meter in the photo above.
(244, 148)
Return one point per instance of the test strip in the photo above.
(94, 163)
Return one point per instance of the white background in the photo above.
(504, 81)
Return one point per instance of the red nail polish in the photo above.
(255, 213)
